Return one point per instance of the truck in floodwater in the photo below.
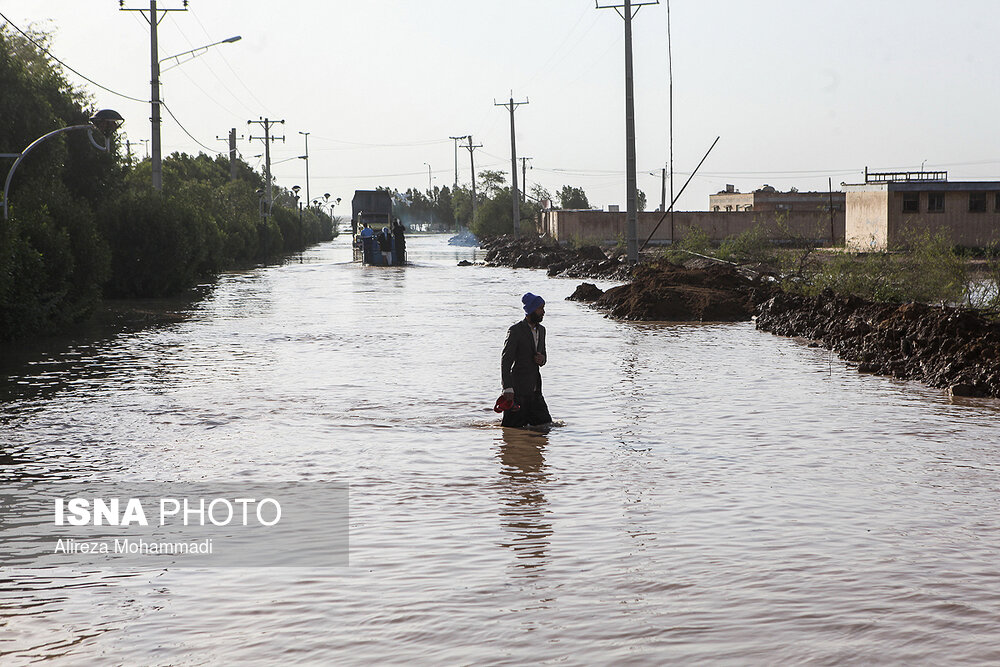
(378, 237)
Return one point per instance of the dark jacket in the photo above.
(517, 361)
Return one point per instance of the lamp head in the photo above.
(295, 189)
(107, 121)
(232, 39)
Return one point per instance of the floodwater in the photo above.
(714, 494)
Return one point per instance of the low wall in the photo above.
(605, 227)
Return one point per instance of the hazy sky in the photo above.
(798, 90)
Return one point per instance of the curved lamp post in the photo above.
(105, 121)
(326, 200)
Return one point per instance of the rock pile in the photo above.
(941, 346)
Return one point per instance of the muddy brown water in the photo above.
(716, 494)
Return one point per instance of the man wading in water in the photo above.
(523, 354)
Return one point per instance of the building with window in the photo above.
(888, 208)
(770, 200)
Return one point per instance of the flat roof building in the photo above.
(889, 208)
(770, 200)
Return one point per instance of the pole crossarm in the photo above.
(146, 13)
(633, 5)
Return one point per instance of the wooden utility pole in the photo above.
(472, 162)
(632, 200)
(456, 140)
(524, 175)
(308, 200)
(266, 123)
(232, 152)
(154, 17)
(515, 199)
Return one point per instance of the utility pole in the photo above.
(266, 123)
(430, 187)
(456, 140)
(515, 204)
(670, 77)
(308, 199)
(524, 175)
(472, 162)
(663, 190)
(632, 206)
(154, 17)
(232, 152)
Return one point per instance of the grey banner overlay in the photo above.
(311, 530)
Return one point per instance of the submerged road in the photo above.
(714, 493)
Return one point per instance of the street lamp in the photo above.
(298, 205)
(157, 153)
(331, 204)
(194, 53)
(105, 121)
(326, 200)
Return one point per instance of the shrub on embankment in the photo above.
(164, 242)
(85, 223)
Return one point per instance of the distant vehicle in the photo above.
(378, 238)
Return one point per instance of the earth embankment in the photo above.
(942, 346)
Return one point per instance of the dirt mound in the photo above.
(941, 346)
(558, 260)
(671, 293)
(586, 292)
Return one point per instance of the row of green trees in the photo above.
(451, 208)
(85, 224)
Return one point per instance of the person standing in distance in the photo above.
(522, 357)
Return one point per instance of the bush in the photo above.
(928, 270)
(160, 245)
(695, 240)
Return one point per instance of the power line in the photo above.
(82, 76)
(235, 74)
(210, 150)
(397, 145)
(211, 69)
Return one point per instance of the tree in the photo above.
(571, 198)
(53, 258)
(641, 199)
(539, 194)
(491, 183)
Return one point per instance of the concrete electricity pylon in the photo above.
(472, 162)
(232, 151)
(308, 198)
(456, 140)
(632, 199)
(266, 123)
(515, 199)
(154, 17)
